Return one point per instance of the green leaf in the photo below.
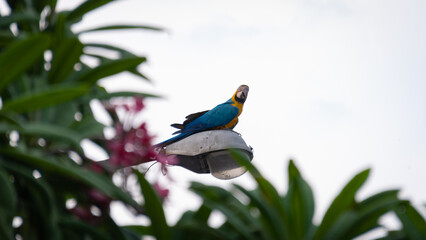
(62, 114)
(73, 172)
(394, 235)
(237, 214)
(41, 4)
(40, 204)
(8, 199)
(106, 69)
(82, 228)
(343, 202)
(129, 234)
(7, 205)
(45, 98)
(9, 118)
(61, 29)
(109, 95)
(88, 127)
(299, 203)
(371, 209)
(6, 36)
(269, 193)
(193, 230)
(51, 132)
(364, 216)
(414, 225)
(195, 224)
(122, 51)
(133, 70)
(272, 227)
(124, 54)
(65, 56)
(202, 215)
(20, 56)
(154, 209)
(141, 230)
(121, 27)
(86, 7)
(18, 17)
(114, 230)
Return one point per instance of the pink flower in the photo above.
(162, 192)
(83, 213)
(96, 167)
(167, 159)
(138, 104)
(135, 106)
(119, 129)
(99, 198)
(132, 147)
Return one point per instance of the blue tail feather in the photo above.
(173, 139)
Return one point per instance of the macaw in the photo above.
(223, 116)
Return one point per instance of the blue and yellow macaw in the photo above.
(223, 116)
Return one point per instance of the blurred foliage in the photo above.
(263, 213)
(50, 189)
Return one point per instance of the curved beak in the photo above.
(244, 91)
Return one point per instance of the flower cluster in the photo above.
(131, 145)
(162, 192)
(93, 207)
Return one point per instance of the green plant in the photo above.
(263, 213)
(48, 186)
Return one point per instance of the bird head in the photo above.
(241, 93)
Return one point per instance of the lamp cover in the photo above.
(207, 152)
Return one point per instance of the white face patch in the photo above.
(242, 93)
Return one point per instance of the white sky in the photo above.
(338, 86)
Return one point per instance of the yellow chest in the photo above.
(234, 121)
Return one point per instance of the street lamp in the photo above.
(207, 152)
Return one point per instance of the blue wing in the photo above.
(219, 116)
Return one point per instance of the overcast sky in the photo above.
(339, 86)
